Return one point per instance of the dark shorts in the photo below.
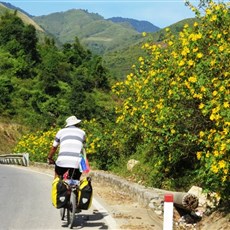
(60, 171)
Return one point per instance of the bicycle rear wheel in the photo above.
(62, 213)
(72, 209)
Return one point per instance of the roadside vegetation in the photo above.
(171, 112)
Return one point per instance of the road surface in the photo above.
(25, 202)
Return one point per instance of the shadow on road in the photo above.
(89, 221)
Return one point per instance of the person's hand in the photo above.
(50, 161)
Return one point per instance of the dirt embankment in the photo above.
(9, 135)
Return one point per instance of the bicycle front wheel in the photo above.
(73, 208)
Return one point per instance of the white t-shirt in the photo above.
(71, 141)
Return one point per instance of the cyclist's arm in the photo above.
(51, 154)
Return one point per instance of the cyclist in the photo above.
(71, 140)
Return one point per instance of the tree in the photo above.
(17, 37)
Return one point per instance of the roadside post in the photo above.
(168, 212)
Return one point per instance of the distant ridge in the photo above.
(12, 7)
(26, 18)
(139, 26)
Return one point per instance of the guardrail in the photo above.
(18, 159)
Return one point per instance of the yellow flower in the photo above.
(146, 45)
(208, 11)
(222, 88)
(190, 62)
(198, 155)
(181, 63)
(195, 37)
(221, 48)
(195, 50)
(201, 106)
(222, 164)
(212, 117)
(173, 131)
(214, 93)
(199, 55)
(182, 73)
(217, 7)
(198, 95)
(140, 59)
(226, 104)
(202, 89)
(216, 153)
(173, 83)
(170, 92)
(214, 168)
(186, 26)
(192, 79)
(223, 147)
(195, 24)
(201, 134)
(144, 34)
(213, 18)
(213, 62)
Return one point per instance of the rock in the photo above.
(131, 163)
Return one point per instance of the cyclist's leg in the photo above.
(60, 171)
(76, 173)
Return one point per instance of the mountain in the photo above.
(93, 31)
(118, 40)
(139, 26)
(121, 61)
(96, 33)
(12, 7)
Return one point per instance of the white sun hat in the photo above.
(72, 121)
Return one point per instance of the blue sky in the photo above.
(161, 13)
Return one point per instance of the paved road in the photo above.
(25, 202)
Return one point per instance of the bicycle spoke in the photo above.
(73, 208)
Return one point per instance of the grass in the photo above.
(10, 134)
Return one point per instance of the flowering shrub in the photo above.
(100, 145)
(36, 144)
(175, 104)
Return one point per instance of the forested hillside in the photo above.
(40, 83)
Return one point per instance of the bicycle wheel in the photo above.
(68, 216)
(62, 213)
(72, 209)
